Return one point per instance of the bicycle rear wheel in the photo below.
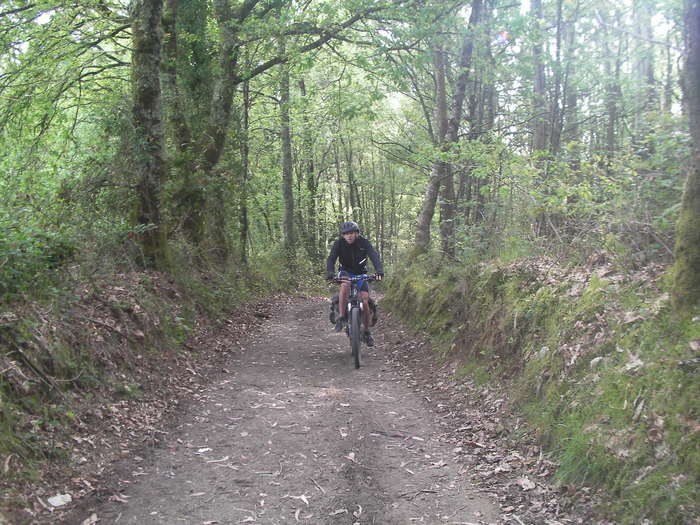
(355, 335)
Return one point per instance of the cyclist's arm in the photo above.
(330, 263)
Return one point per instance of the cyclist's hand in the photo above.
(378, 276)
(330, 277)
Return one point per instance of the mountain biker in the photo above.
(352, 250)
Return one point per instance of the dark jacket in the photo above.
(353, 257)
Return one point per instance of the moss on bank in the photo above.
(604, 372)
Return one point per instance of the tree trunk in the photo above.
(686, 271)
(644, 65)
(569, 125)
(447, 138)
(149, 157)
(441, 124)
(172, 97)
(669, 82)
(287, 171)
(309, 171)
(439, 168)
(539, 106)
(244, 226)
(555, 106)
(613, 95)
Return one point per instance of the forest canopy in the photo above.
(241, 130)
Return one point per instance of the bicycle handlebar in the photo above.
(363, 277)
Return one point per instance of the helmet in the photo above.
(350, 226)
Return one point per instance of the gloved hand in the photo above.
(379, 276)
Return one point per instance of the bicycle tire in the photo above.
(355, 335)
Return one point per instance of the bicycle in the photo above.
(353, 311)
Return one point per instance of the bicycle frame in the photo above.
(354, 311)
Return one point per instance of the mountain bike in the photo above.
(353, 312)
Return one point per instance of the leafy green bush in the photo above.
(27, 256)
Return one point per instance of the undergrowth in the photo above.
(604, 371)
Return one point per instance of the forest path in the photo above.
(295, 434)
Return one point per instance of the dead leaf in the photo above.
(633, 362)
(6, 466)
(59, 500)
(119, 497)
(218, 460)
(91, 520)
(631, 317)
(302, 498)
(526, 483)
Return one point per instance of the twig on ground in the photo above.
(319, 487)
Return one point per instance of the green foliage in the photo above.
(28, 257)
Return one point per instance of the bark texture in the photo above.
(149, 157)
(287, 171)
(686, 284)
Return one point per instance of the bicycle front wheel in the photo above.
(355, 335)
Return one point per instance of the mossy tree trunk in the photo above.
(149, 157)
(686, 283)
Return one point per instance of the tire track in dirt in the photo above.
(294, 434)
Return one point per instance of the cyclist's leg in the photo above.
(342, 306)
(364, 295)
(343, 298)
(369, 340)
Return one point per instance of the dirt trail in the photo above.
(294, 434)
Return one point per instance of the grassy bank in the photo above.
(606, 375)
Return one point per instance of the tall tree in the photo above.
(287, 162)
(244, 223)
(441, 171)
(308, 172)
(686, 284)
(149, 156)
(539, 106)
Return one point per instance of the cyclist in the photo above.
(353, 250)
